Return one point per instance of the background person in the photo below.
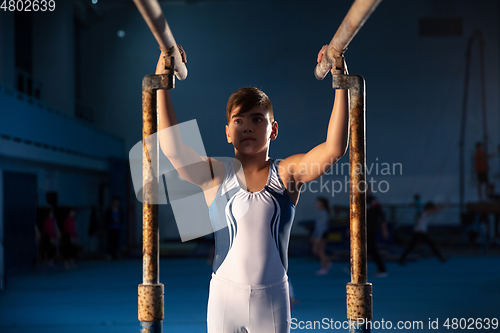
(69, 240)
(319, 234)
(481, 168)
(375, 221)
(114, 222)
(420, 232)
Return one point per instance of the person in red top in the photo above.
(481, 167)
(70, 224)
(69, 240)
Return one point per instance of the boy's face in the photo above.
(251, 131)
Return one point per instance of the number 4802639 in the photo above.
(28, 5)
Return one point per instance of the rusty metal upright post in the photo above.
(359, 291)
(151, 290)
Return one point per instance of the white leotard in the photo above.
(252, 247)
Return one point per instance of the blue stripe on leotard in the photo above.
(285, 224)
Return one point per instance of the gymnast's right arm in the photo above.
(196, 169)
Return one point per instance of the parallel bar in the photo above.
(353, 21)
(359, 291)
(151, 300)
(153, 15)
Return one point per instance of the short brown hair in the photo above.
(246, 99)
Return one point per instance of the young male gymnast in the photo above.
(249, 286)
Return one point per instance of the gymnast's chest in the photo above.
(253, 210)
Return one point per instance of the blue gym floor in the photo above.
(101, 296)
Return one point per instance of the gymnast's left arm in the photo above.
(306, 167)
(302, 168)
